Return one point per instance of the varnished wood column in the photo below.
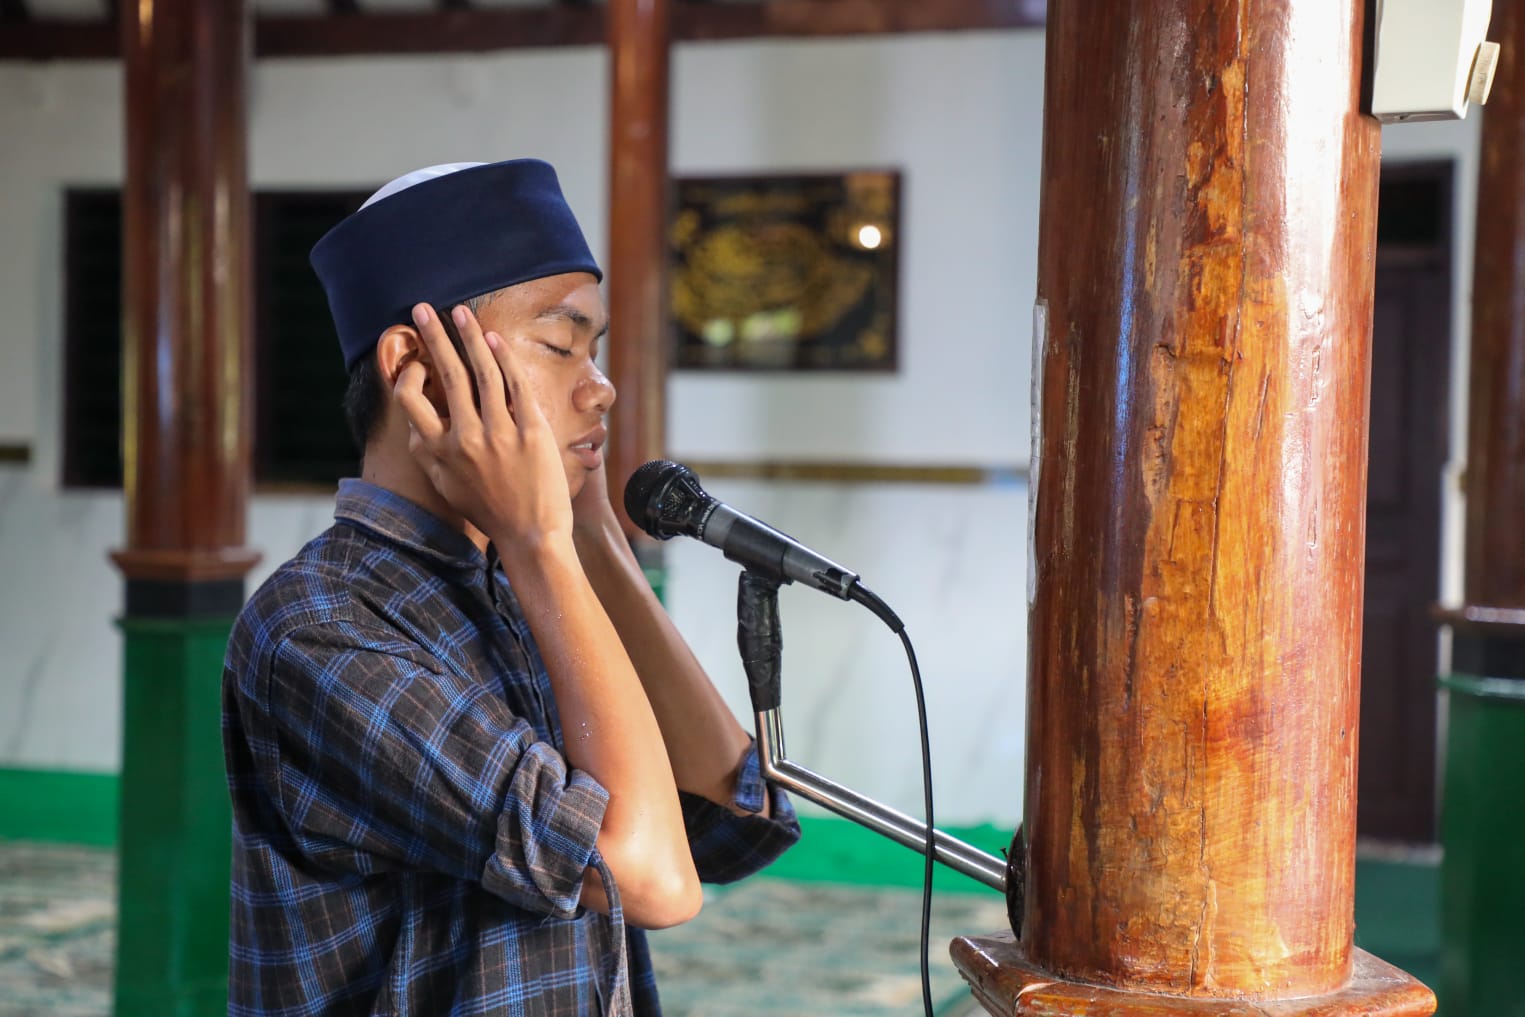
(1205, 290)
(638, 271)
(1495, 540)
(186, 326)
(186, 318)
(1483, 871)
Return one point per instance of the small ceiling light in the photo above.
(869, 237)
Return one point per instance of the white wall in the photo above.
(60, 668)
(959, 115)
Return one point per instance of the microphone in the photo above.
(664, 499)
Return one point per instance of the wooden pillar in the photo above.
(638, 255)
(186, 325)
(1495, 540)
(1205, 295)
(1483, 872)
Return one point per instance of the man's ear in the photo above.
(400, 346)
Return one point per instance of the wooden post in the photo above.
(1205, 310)
(186, 425)
(638, 255)
(1495, 540)
(1483, 872)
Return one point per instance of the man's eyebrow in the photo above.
(575, 315)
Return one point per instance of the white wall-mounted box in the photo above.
(1432, 57)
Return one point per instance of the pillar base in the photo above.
(1007, 983)
(174, 854)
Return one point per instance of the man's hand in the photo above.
(592, 512)
(497, 463)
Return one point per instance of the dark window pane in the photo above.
(92, 403)
(1412, 211)
(300, 436)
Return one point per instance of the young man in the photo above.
(470, 757)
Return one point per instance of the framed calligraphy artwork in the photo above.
(786, 273)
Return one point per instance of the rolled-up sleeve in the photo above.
(727, 846)
(546, 833)
(380, 758)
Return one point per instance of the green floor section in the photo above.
(1398, 915)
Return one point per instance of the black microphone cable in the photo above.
(863, 595)
(931, 846)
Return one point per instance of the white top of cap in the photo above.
(418, 176)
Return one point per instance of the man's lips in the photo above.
(589, 448)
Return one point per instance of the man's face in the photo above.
(554, 326)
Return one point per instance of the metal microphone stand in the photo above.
(761, 643)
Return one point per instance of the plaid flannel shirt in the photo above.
(408, 837)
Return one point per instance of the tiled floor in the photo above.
(57, 930)
(765, 947)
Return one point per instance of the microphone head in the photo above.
(664, 499)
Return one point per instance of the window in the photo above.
(92, 449)
(300, 437)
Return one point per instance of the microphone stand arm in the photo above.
(761, 645)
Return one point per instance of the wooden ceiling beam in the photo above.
(819, 18)
(452, 31)
(60, 40)
(475, 29)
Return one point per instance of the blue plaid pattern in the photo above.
(408, 837)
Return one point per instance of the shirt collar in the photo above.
(394, 517)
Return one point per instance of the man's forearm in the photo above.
(610, 730)
(704, 741)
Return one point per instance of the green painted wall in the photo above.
(835, 850)
(62, 807)
(81, 808)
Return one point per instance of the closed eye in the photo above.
(559, 351)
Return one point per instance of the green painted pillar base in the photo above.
(175, 847)
(1483, 831)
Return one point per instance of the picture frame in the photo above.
(786, 272)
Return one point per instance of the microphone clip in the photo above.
(760, 639)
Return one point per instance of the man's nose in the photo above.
(595, 391)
